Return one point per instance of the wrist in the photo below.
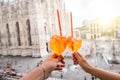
(89, 69)
(45, 69)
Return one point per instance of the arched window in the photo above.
(29, 32)
(18, 34)
(46, 38)
(8, 34)
(94, 36)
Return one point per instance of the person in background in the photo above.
(53, 62)
(100, 73)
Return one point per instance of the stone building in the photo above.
(111, 29)
(95, 29)
(27, 25)
(91, 29)
(115, 27)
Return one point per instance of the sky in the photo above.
(91, 9)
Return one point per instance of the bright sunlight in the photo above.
(105, 10)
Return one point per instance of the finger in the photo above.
(74, 59)
(76, 55)
(60, 57)
(62, 61)
(58, 68)
(75, 62)
(60, 65)
(80, 54)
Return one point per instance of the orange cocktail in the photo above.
(57, 44)
(73, 43)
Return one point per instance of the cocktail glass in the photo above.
(58, 44)
(73, 44)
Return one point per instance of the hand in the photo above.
(79, 59)
(51, 63)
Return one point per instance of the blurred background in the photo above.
(26, 27)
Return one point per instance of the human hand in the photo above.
(79, 59)
(51, 63)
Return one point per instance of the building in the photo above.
(84, 31)
(111, 29)
(90, 29)
(93, 29)
(116, 27)
(27, 25)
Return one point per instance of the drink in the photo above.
(73, 44)
(58, 44)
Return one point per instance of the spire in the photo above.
(9, 2)
(15, 3)
(9, 9)
(2, 2)
(19, 4)
(0, 6)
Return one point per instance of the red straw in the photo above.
(71, 24)
(59, 22)
(71, 28)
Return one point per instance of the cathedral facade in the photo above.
(27, 25)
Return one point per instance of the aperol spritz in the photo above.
(58, 44)
(73, 43)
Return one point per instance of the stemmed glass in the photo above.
(73, 43)
(58, 43)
